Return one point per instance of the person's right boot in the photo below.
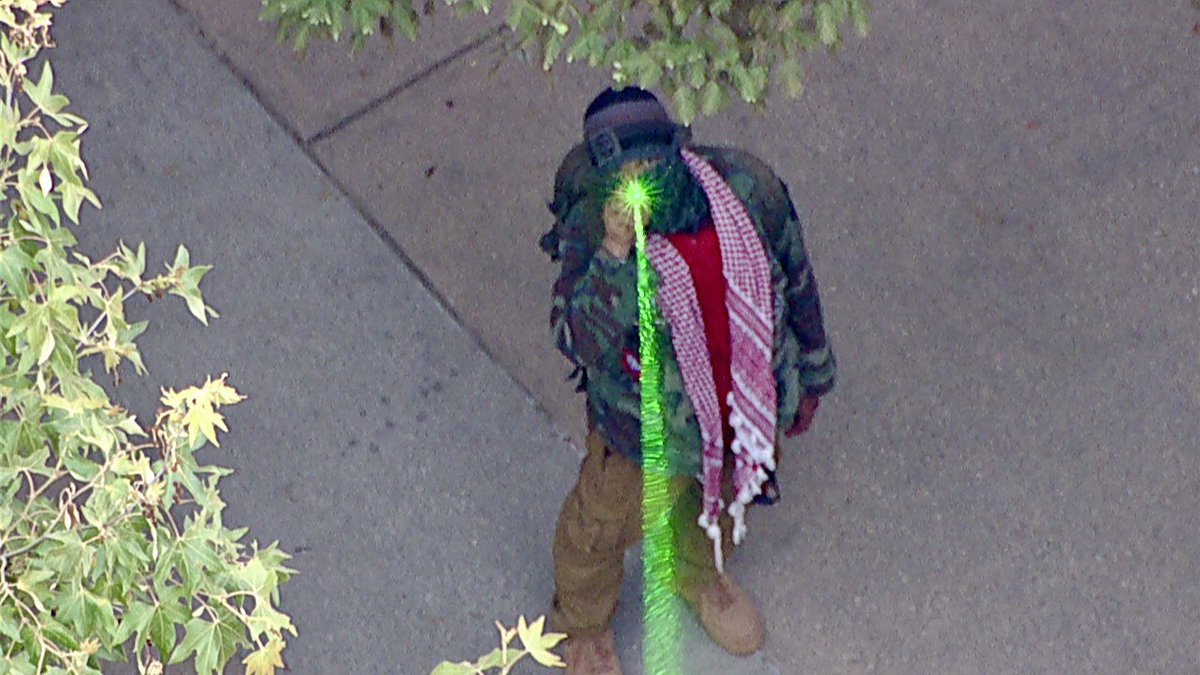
(594, 654)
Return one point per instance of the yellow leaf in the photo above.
(200, 419)
(539, 645)
(223, 393)
(266, 659)
(173, 399)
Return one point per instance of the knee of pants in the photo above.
(594, 530)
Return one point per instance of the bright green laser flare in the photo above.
(660, 618)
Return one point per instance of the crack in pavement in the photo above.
(419, 76)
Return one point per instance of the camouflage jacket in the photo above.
(594, 315)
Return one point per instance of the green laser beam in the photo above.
(660, 618)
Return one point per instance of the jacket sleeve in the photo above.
(588, 316)
(593, 318)
(818, 367)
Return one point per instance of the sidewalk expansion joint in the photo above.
(307, 149)
(419, 76)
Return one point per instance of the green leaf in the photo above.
(63, 154)
(554, 44)
(70, 608)
(31, 439)
(33, 584)
(858, 16)
(303, 35)
(131, 552)
(680, 13)
(214, 643)
(365, 14)
(71, 557)
(517, 18)
(83, 388)
(661, 21)
(196, 550)
(166, 615)
(134, 622)
(124, 465)
(685, 104)
(73, 196)
(646, 68)
(28, 189)
(404, 16)
(759, 76)
(40, 91)
(722, 33)
(273, 559)
(790, 15)
(136, 266)
(14, 265)
(106, 502)
(195, 305)
(60, 634)
(266, 618)
(20, 663)
(719, 7)
(182, 258)
(9, 627)
(580, 48)
(744, 81)
(826, 27)
(495, 658)
(98, 613)
(697, 75)
(9, 119)
(80, 467)
(255, 577)
(712, 98)
(200, 638)
(841, 11)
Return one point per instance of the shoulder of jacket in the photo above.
(573, 162)
(768, 189)
(574, 156)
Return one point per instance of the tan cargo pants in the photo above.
(602, 517)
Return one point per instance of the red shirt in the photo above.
(702, 253)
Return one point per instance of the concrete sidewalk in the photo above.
(1002, 207)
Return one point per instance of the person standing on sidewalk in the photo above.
(744, 356)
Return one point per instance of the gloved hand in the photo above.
(804, 416)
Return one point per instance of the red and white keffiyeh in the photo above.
(752, 401)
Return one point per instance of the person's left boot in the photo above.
(728, 615)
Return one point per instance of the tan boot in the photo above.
(728, 616)
(593, 655)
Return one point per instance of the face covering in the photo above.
(680, 204)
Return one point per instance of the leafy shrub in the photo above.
(103, 542)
